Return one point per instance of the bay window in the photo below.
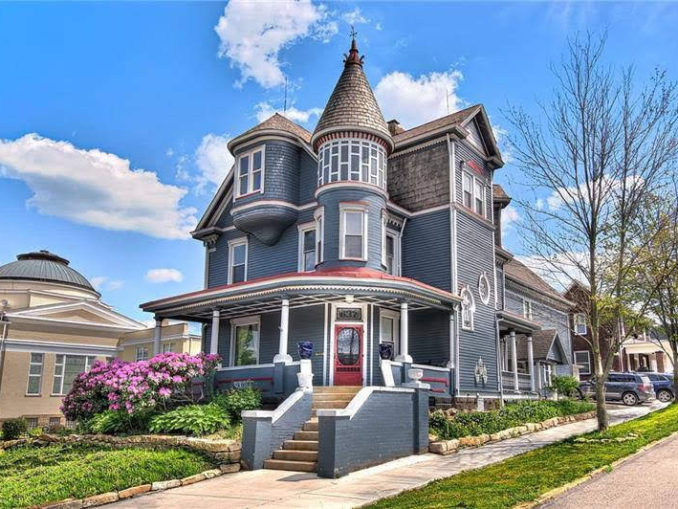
(352, 160)
(250, 172)
(237, 261)
(353, 232)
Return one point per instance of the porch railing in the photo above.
(440, 379)
(508, 382)
(273, 380)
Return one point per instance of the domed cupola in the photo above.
(47, 267)
(352, 139)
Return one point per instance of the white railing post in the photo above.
(214, 336)
(156, 335)
(404, 355)
(514, 362)
(282, 355)
(530, 362)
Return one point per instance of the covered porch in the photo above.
(518, 377)
(347, 320)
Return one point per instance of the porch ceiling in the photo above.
(512, 322)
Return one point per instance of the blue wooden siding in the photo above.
(426, 249)
(429, 337)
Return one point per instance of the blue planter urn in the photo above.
(305, 349)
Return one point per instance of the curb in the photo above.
(446, 447)
(115, 496)
(560, 490)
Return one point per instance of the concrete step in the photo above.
(329, 404)
(301, 445)
(347, 389)
(334, 396)
(311, 425)
(306, 435)
(295, 455)
(292, 466)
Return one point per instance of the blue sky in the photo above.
(114, 116)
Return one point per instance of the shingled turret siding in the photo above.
(420, 179)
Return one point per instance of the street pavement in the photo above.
(649, 479)
(274, 488)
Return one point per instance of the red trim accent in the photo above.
(252, 379)
(347, 272)
(436, 380)
(475, 167)
(350, 377)
(438, 390)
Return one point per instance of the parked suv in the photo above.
(663, 386)
(630, 388)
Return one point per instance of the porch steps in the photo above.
(301, 453)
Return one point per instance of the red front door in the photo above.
(348, 355)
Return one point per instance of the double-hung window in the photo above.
(35, 374)
(467, 189)
(319, 217)
(66, 369)
(390, 251)
(582, 359)
(580, 324)
(479, 198)
(353, 232)
(307, 247)
(250, 172)
(527, 309)
(142, 353)
(237, 261)
(389, 330)
(245, 341)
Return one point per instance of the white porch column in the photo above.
(214, 337)
(530, 362)
(404, 355)
(453, 348)
(514, 362)
(156, 335)
(505, 343)
(282, 355)
(653, 362)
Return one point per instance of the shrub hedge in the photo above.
(194, 420)
(513, 414)
(14, 428)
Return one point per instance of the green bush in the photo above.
(237, 400)
(191, 420)
(513, 414)
(565, 385)
(116, 422)
(14, 428)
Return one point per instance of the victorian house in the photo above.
(379, 248)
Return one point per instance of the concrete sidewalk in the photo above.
(647, 480)
(272, 488)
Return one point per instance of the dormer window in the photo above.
(352, 160)
(250, 172)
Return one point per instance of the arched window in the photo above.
(468, 308)
(484, 288)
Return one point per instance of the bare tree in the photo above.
(597, 150)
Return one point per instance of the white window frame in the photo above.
(528, 309)
(547, 371)
(465, 175)
(370, 170)
(485, 300)
(250, 172)
(395, 235)
(395, 316)
(479, 195)
(588, 361)
(61, 373)
(232, 244)
(319, 217)
(168, 347)
(302, 230)
(345, 208)
(472, 309)
(240, 322)
(31, 363)
(140, 349)
(576, 322)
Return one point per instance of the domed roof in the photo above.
(44, 266)
(352, 104)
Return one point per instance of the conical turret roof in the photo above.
(352, 104)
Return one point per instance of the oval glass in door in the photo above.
(348, 346)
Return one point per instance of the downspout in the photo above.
(452, 156)
(500, 386)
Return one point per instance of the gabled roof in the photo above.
(546, 345)
(352, 103)
(275, 123)
(499, 195)
(520, 273)
(456, 118)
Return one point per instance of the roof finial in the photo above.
(353, 57)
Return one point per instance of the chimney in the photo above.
(394, 127)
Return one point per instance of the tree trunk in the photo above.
(601, 411)
(675, 374)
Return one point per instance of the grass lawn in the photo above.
(36, 475)
(524, 478)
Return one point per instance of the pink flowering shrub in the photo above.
(156, 384)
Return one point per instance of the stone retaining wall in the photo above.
(445, 447)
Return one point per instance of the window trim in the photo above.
(395, 316)
(142, 347)
(302, 229)
(464, 190)
(232, 244)
(319, 218)
(250, 172)
(373, 172)
(38, 376)
(62, 376)
(528, 309)
(477, 184)
(472, 308)
(390, 232)
(239, 322)
(588, 361)
(343, 209)
(586, 325)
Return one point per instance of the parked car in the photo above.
(663, 386)
(629, 388)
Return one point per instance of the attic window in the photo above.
(250, 172)
(353, 160)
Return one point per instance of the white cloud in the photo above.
(213, 159)
(539, 204)
(414, 101)
(354, 17)
(101, 283)
(98, 281)
(509, 216)
(559, 270)
(116, 284)
(265, 110)
(95, 188)
(252, 34)
(501, 137)
(164, 276)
